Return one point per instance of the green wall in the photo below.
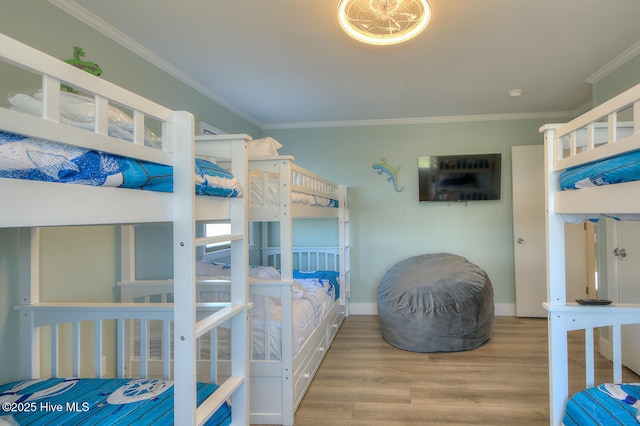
(616, 82)
(387, 226)
(9, 296)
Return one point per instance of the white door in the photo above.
(579, 279)
(529, 251)
(625, 260)
(529, 247)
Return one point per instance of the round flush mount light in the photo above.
(515, 94)
(383, 21)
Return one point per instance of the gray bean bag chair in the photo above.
(436, 303)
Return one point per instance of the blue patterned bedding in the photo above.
(330, 277)
(22, 157)
(75, 401)
(622, 168)
(607, 404)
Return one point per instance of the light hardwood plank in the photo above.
(365, 381)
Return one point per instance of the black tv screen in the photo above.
(472, 177)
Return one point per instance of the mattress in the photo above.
(309, 306)
(313, 294)
(609, 171)
(23, 157)
(618, 169)
(97, 402)
(606, 404)
(265, 192)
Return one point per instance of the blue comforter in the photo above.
(622, 168)
(22, 157)
(606, 404)
(72, 401)
(330, 277)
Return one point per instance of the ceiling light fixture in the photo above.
(383, 21)
(515, 94)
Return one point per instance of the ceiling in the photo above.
(281, 63)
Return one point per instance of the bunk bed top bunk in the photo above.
(74, 204)
(591, 172)
(280, 189)
(33, 204)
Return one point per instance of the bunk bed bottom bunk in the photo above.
(98, 401)
(303, 318)
(78, 341)
(277, 387)
(600, 405)
(280, 376)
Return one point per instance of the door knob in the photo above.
(620, 252)
(520, 240)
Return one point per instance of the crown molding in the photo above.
(614, 64)
(80, 13)
(421, 120)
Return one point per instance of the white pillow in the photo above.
(79, 111)
(264, 273)
(297, 290)
(265, 147)
(82, 108)
(258, 309)
(206, 269)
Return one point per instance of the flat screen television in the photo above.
(473, 177)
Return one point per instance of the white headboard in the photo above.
(305, 258)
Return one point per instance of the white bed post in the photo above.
(556, 286)
(127, 254)
(124, 351)
(240, 332)
(286, 245)
(29, 294)
(184, 289)
(344, 247)
(286, 265)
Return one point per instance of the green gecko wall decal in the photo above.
(383, 167)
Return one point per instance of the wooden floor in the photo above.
(365, 381)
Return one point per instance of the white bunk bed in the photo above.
(609, 132)
(284, 192)
(284, 354)
(31, 204)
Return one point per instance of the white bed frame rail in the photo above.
(305, 258)
(315, 259)
(56, 315)
(597, 134)
(279, 385)
(33, 204)
(291, 179)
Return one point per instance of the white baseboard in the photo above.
(501, 309)
(505, 309)
(363, 308)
